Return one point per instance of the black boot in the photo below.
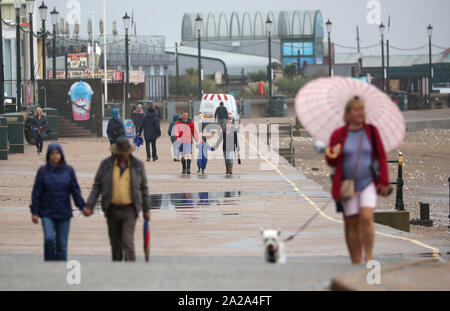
(189, 167)
(183, 162)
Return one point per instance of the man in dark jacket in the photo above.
(39, 125)
(122, 183)
(221, 115)
(152, 131)
(50, 201)
(115, 128)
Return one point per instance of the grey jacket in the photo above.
(103, 185)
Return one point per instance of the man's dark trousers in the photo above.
(121, 225)
(147, 147)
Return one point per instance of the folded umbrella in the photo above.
(320, 107)
(147, 240)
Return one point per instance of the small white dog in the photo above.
(273, 246)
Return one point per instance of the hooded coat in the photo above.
(170, 131)
(115, 116)
(52, 189)
(152, 129)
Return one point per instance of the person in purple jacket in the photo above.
(50, 201)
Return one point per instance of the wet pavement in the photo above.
(205, 230)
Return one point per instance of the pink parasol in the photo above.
(321, 103)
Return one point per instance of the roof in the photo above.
(394, 60)
(234, 62)
(247, 25)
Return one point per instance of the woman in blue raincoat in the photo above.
(50, 201)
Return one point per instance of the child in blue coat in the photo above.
(202, 158)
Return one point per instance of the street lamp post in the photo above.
(126, 24)
(382, 32)
(30, 9)
(198, 28)
(430, 69)
(43, 15)
(2, 73)
(54, 15)
(17, 6)
(329, 26)
(269, 26)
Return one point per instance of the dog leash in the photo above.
(290, 238)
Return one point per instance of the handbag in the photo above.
(348, 185)
(375, 165)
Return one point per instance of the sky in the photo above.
(409, 18)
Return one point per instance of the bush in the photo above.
(290, 71)
(251, 90)
(289, 86)
(188, 84)
(258, 76)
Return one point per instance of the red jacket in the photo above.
(340, 136)
(185, 131)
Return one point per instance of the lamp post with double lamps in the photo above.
(2, 73)
(126, 24)
(43, 10)
(269, 28)
(30, 10)
(198, 29)
(430, 68)
(54, 15)
(17, 6)
(382, 32)
(329, 26)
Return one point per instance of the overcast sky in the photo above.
(409, 18)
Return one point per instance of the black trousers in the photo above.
(147, 147)
(39, 143)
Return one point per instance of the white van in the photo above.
(209, 104)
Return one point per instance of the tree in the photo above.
(290, 70)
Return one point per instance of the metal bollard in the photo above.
(399, 204)
(448, 203)
(268, 133)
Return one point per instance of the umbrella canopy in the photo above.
(320, 107)
(147, 240)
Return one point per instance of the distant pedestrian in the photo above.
(115, 128)
(202, 158)
(357, 153)
(39, 125)
(137, 116)
(55, 183)
(221, 115)
(185, 134)
(229, 146)
(171, 133)
(122, 182)
(152, 131)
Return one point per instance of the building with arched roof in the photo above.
(297, 36)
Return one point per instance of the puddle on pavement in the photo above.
(203, 199)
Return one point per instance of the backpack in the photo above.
(116, 128)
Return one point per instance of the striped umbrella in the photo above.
(147, 240)
(321, 104)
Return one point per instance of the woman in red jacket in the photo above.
(351, 152)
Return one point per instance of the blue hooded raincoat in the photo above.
(53, 187)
